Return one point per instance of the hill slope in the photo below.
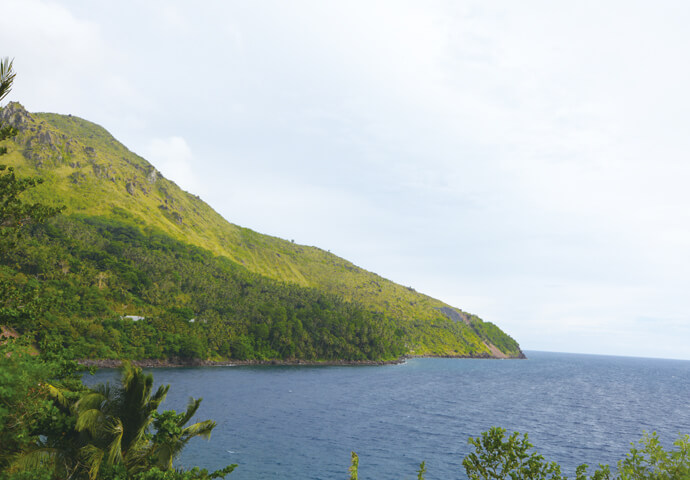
(94, 175)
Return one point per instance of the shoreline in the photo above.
(181, 363)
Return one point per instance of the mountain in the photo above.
(107, 190)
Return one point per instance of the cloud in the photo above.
(175, 160)
(66, 63)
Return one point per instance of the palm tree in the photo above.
(172, 436)
(117, 421)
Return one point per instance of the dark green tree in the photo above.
(126, 431)
(117, 420)
(15, 213)
(172, 436)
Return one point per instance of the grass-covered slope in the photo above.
(93, 175)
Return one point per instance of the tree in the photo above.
(498, 458)
(36, 423)
(14, 213)
(117, 420)
(172, 436)
(354, 466)
(120, 422)
(22, 400)
(652, 462)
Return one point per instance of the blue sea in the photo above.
(303, 422)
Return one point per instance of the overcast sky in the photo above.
(524, 161)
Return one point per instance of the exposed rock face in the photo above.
(15, 115)
(455, 315)
(152, 176)
(41, 143)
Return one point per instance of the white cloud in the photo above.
(175, 160)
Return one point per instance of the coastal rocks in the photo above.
(182, 362)
(185, 362)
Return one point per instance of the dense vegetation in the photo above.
(91, 273)
(107, 189)
(53, 427)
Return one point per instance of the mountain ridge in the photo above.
(95, 175)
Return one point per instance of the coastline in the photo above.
(181, 363)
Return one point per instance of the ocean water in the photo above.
(302, 422)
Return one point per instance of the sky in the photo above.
(524, 161)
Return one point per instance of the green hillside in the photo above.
(95, 176)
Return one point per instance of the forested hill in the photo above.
(132, 244)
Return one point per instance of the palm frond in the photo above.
(201, 429)
(6, 76)
(93, 458)
(34, 459)
(192, 407)
(164, 457)
(115, 448)
(91, 401)
(128, 372)
(159, 396)
(90, 420)
(58, 396)
(136, 458)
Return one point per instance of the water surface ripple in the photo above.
(302, 422)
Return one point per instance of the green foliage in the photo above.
(354, 466)
(498, 458)
(194, 474)
(489, 332)
(6, 76)
(15, 213)
(421, 471)
(93, 271)
(36, 424)
(52, 427)
(652, 462)
(116, 421)
(172, 436)
(22, 401)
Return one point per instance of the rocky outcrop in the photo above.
(15, 115)
(455, 315)
(152, 176)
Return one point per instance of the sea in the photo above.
(303, 422)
